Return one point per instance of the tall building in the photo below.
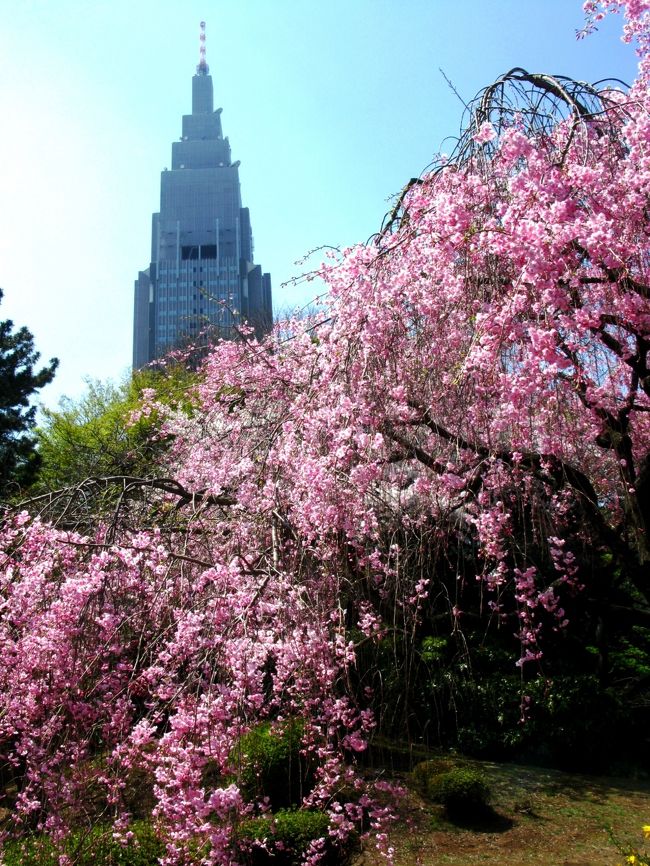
(202, 277)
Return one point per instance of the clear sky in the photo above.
(331, 106)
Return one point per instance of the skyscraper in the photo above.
(202, 275)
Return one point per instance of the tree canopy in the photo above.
(96, 436)
(18, 383)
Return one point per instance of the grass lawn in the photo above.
(540, 816)
(537, 816)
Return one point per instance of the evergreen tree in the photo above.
(18, 382)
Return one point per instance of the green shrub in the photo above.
(287, 835)
(424, 773)
(95, 847)
(267, 763)
(461, 790)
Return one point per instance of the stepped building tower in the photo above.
(202, 277)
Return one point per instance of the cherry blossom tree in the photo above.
(462, 432)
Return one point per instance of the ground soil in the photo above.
(538, 816)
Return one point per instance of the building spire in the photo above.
(202, 68)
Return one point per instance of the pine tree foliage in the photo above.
(19, 380)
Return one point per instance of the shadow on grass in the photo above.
(508, 778)
(485, 820)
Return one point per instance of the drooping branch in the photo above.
(535, 103)
(97, 499)
(547, 467)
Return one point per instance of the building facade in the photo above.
(202, 280)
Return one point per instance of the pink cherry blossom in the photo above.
(476, 380)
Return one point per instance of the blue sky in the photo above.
(331, 106)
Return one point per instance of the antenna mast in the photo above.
(202, 68)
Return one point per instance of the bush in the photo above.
(95, 847)
(426, 772)
(287, 836)
(462, 790)
(268, 763)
